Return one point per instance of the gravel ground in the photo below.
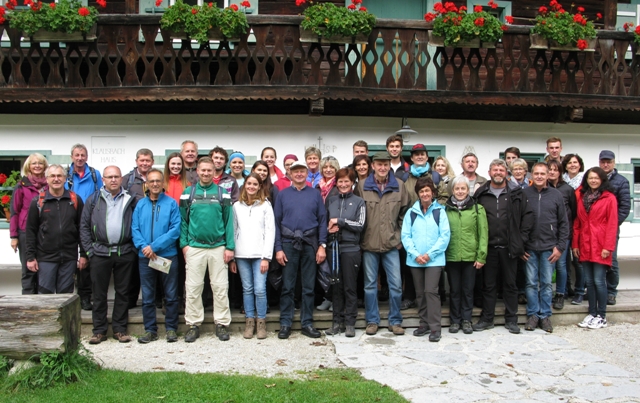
(618, 343)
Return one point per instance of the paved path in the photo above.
(491, 365)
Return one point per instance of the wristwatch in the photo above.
(324, 245)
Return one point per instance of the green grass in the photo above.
(326, 385)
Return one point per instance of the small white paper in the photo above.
(160, 264)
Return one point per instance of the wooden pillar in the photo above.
(610, 14)
(130, 6)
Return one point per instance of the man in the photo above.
(105, 233)
(84, 181)
(387, 201)
(301, 241)
(399, 167)
(312, 157)
(155, 229)
(360, 147)
(554, 149)
(53, 235)
(510, 221)
(220, 157)
(621, 190)
(206, 239)
(547, 241)
(469, 165)
(189, 152)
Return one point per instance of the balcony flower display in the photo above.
(200, 22)
(326, 20)
(7, 183)
(457, 26)
(636, 32)
(563, 28)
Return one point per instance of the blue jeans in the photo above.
(254, 287)
(595, 278)
(148, 281)
(303, 261)
(539, 273)
(391, 263)
(613, 275)
(561, 271)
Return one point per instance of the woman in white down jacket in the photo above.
(254, 235)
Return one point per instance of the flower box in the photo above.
(214, 34)
(591, 46)
(538, 41)
(435, 40)
(308, 36)
(42, 35)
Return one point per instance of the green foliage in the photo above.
(5, 365)
(196, 21)
(55, 368)
(326, 19)
(459, 25)
(8, 182)
(562, 26)
(63, 17)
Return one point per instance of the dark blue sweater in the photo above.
(300, 210)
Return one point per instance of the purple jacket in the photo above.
(20, 202)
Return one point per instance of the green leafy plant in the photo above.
(196, 21)
(5, 365)
(327, 19)
(554, 23)
(8, 182)
(65, 16)
(455, 24)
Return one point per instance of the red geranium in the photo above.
(233, 7)
(11, 4)
(351, 6)
(428, 17)
(542, 10)
(52, 5)
(300, 2)
(245, 4)
(356, 1)
(450, 6)
(582, 44)
(479, 22)
(598, 16)
(477, 9)
(83, 11)
(194, 11)
(509, 19)
(103, 3)
(504, 28)
(462, 9)
(637, 30)
(363, 9)
(3, 177)
(580, 9)
(493, 4)
(627, 25)
(2, 19)
(6, 199)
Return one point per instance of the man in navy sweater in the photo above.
(301, 238)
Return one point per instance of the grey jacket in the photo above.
(350, 210)
(551, 226)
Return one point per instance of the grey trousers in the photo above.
(426, 281)
(55, 277)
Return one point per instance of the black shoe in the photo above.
(85, 303)
(466, 327)
(148, 337)
(522, 299)
(545, 324)
(312, 332)
(611, 300)
(334, 330)
(577, 300)
(285, 332)
(512, 327)
(532, 323)
(435, 336)
(383, 294)
(407, 304)
(172, 336)
(421, 331)
(222, 332)
(350, 331)
(559, 302)
(192, 334)
(482, 325)
(454, 328)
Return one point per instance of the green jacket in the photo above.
(469, 232)
(208, 223)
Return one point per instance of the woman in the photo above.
(519, 173)
(573, 167)
(569, 196)
(27, 188)
(362, 165)
(466, 253)
(442, 166)
(236, 167)
(175, 176)
(254, 234)
(328, 167)
(346, 218)
(269, 156)
(262, 169)
(425, 236)
(595, 230)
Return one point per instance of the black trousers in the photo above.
(29, 278)
(462, 279)
(134, 283)
(345, 296)
(102, 267)
(83, 279)
(499, 262)
(409, 289)
(426, 280)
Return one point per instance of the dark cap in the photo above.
(418, 147)
(607, 155)
(381, 156)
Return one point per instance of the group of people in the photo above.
(211, 219)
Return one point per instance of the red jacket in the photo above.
(596, 230)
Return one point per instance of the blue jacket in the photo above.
(621, 190)
(424, 235)
(158, 227)
(85, 186)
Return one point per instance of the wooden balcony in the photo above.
(396, 74)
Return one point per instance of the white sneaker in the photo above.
(326, 304)
(585, 322)
(597, 323)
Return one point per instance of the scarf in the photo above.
(575, 182)
(37, 182)
(460, 204)
(325, 187)
(589, 197)
(418, 170)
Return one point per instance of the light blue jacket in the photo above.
(158, 227)
(424, 235)
(85, 186)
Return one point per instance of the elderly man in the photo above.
(301, 240)
(52, 234)
(189, 152)
(105, 233)
(469, 165)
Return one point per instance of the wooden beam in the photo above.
(610, 14)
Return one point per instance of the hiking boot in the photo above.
(407, 304)
(148, 337)
(262, 329)
(97, 338)
(532, 323)
(172, 336)
(192, 334)
(372, 328)
(222, 332)
(611, 300)
(597, 323)
(585, 322)
(311, 331)
(466, 327)
(325, 305)
(454, 328)
(512, 327)
(397, 330)
(333, 330)
(482, 325)
(559, 302)
(577, 300)
(249, 327)
(122, 337)
(350, 331)
(435, 336)
(522, 299)
(85, 303)
(421, 331)
(545, 324)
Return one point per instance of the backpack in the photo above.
(435, 176)
(435, 213)
(42, 194)
(93, 176)
(192, 196)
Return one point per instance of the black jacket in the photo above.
(350, 210)
(53, 234)
(519, 213)
(569, 196)
(621, 190)
(551, 228)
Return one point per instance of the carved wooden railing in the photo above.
(397, 57)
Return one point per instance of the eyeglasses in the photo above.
(111, 178)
